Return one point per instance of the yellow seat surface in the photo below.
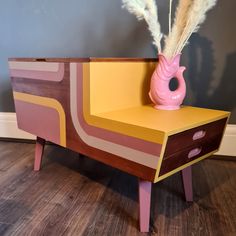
(150, 124)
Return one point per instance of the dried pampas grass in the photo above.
(170, 14)
(190, 14)
(196, 16)
(179, 23)
(147, 10)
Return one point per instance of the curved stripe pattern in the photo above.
(34, 66)
(47, 102)
(49, 71)
(104, 145)
(106, 134)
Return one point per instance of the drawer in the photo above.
(198, 135)
(189, 154)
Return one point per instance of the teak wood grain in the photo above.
(180, 158)
(60, 93)
(184, 139)
(86, 59)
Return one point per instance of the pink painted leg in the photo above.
(187, 182)
(38, 153)
(145, 188)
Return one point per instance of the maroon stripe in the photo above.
(124, 140)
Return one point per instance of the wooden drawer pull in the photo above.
(199, 134)
(194, 152)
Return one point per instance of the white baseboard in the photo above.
(228, 145)
(9, 129)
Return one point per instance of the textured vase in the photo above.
(160, 93)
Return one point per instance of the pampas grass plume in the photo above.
(196, 16)
(181, 17)
(147, 10)
(190, 14)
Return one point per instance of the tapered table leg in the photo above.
(187, 183)
(40, 143)
(145, 188)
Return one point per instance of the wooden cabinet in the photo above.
(100, 108)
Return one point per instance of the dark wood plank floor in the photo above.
(74, 195)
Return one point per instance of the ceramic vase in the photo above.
(160, 92)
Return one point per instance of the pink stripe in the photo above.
(124, 140)
(39, 120)
(40, 75)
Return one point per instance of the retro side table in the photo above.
(100, 108)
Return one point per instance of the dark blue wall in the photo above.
(82, 28)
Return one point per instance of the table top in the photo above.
(85, 59)
(169, 122)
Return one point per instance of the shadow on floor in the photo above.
(167, 194)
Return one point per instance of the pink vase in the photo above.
(160, 93)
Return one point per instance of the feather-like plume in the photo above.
(170, 14)
(147, 10)
(190, 14)
(181, 17)
(196, 16)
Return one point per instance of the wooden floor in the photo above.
(73, 195)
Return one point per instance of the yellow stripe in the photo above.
(102, 144)
(161, 158)
(47, 102)
(113, 100)
(156, 179)
(183, 166)
(126, 128)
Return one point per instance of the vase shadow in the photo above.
(202, 88)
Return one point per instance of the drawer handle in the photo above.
(194, 152)
(199, 134)
(40, 59)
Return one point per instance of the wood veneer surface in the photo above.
(74, 195)
(88, 59)
(60, 93)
